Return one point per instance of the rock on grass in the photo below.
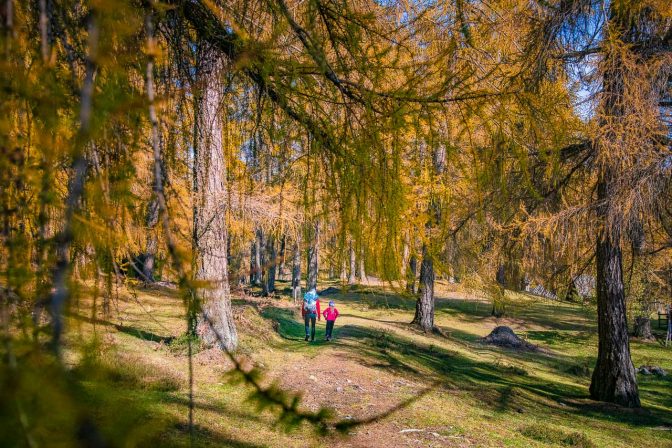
(504, 336)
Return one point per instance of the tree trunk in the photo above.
(352, 279)
(411, 274)
(406, 253)
(216, 326)
(424, 307)
(344, 269)
(257, 266)
(296, 271)
(282, 275)
(60, 292)
(362, 271)
(271, 264)
(643, 327)
(263, 261)
(614, 377)
(253, 265)
(313, 266)
(152, 243)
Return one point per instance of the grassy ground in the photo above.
(455, 391)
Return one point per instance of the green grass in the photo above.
(448, 387)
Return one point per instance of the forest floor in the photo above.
(448, 388)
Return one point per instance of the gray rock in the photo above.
(539, 290)
(504, 336)
(658, 371)
(329, 290)
(652, 370)
(585, 285)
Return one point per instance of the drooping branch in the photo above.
(60, 292)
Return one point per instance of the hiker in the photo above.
(311, 310)
(330, 315)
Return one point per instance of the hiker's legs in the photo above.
(330, 328)
(312, 324)
(306, 320)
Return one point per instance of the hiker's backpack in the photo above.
(310, 302)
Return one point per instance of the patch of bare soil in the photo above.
(357, 392)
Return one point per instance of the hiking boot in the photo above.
(306, 338)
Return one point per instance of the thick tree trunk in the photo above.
(296, 271)
(424, 307)
(352, 278)
(313, 266)
(216, 326)
(614, 376)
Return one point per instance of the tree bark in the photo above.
(255, 261)
(411, 274)
(152, 244)
(361, 273)
(263, 261)
(313, 261)
(216, 326)
(352, 278)
(406, 253)
(60, 293)
(424, 307)
(271, 263)
(344, 269)
(614, 378)
(643, 327)
(296, 271)
(282, 275)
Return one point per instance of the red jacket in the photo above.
(317, 306)
(329, 314)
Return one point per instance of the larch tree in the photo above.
(216, 326)
(628, 45)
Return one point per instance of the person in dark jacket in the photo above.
(310, 310)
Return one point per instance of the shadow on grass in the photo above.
(129, 330)
(537, 311)
(144, 335)
(499, 387)
(203, 436)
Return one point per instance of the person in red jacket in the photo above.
(330, 315)
(309, 311)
